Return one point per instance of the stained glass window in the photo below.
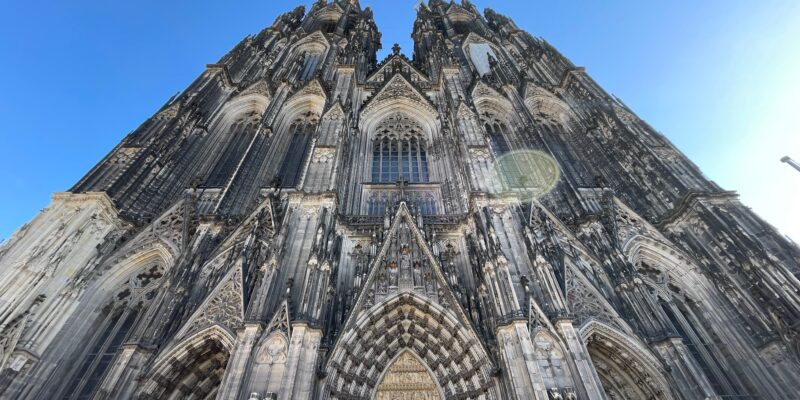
(296, 153)
(392, 158)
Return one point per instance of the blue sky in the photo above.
(718, 78)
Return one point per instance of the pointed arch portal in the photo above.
(409, 324)
(190, 369)
(627, 370)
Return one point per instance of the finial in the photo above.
(396, 49)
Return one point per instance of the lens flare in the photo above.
(529, 174)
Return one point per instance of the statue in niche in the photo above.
(417, 274)
(405, 264)
(429, 283)
(382, 283)
(392, 273)
(370, 300)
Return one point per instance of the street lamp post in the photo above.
(791, 162)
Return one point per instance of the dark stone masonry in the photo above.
(479, 221)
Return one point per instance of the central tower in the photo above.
(480, 221)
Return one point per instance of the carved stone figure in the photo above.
(308, 222)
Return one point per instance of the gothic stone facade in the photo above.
(305, 222)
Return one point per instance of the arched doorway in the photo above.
(627, 370)
(191, 369)
(407, 378)
(407, 323)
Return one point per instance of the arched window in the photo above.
(241, 134)
(310, 64)
(393, 157)
(300, 131)
(497, 132)
(479, 54)
(399, 150)
(120, 316)
(328, 26)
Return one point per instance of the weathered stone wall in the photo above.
(305, 222)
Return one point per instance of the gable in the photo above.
(312, 88)
(482, 90)
(398, 64)
(398, 89)
(260, 87)
(224, 306)
(405, 263)
(316, 42)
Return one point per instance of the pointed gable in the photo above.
(401, 308)
(406, 264)
(315, 41)
(482, 90)
(169, 112)
(395, 89)
(585, 302)
(260, 87)
(464, 112)
(224, 306)
(312, 88)
(334, 113)
(260, 223)
(397, 63)
(280, 321)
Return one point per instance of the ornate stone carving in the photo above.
(273, 351)
(399, 88)
(451, 288)
(260, 87)
(323, 154)
(224, 306)
(407, 379)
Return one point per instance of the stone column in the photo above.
(120, 380)
(587, 375)
(517, 354)
(689, 379)
(300, 375)
(237, 365)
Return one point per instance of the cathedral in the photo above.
(478, 220)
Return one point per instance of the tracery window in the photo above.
(398, 150)
(241, 134)
(310, 64)
(392, 158)
(300, 132)
(120, 316)
(423, 201)
(479, 54)
(497, 132)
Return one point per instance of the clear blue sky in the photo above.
(720, 78)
